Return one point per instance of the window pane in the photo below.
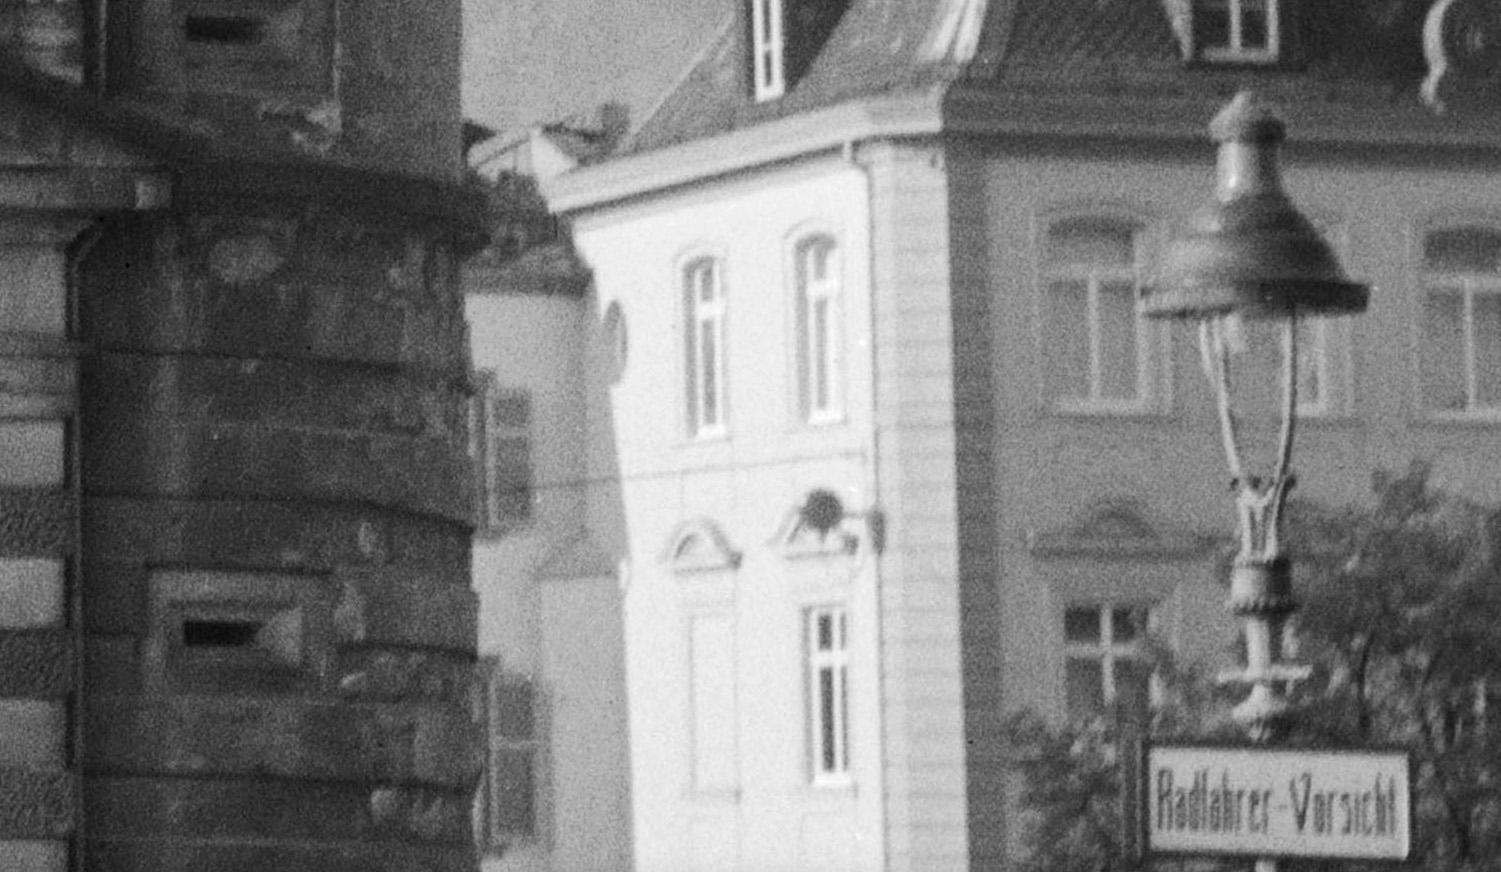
(1253, 25)
(1212, 21)
(826, 725)
(1127, 624)
(1082, 625)
(844, 721)
(821, 354)
(1118, 350)
(513, 409)
(1311, 356)
(1066, 340)
(511, 790)
(1097, 242)
(1463, 249)
(825, 632)
(1084, 685)
(512, 716)
(1132, 688)
(708, 342)
(1443, 349)
(1487, 339)
(706, 289)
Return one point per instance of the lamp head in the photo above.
(1250, 251)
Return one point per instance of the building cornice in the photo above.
(1329, 128)
(736, 151)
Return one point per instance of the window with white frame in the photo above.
(506, 712)
(819, 351)
(1258, 376)
(1097, 351)
(827, 647)
(786, 37)
(703, 344)
(766, 48)
(1460, 368)
(500, 447)
(1105, 659)
(1237, 30)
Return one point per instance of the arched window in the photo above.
(703, 345)
(1096, 349)
(820, 361)
(1460, 369)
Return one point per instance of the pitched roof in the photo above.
(878, 47)
(1353, 67)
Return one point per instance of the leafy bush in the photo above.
(1401, 621)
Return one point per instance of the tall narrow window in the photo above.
(1258, 345)
(500, 446)
(1237, 30)
(1104, 659)
(1096, 349)
(507, 798)
(827, 641)
(766, 48)
(819, 351)
(704, 307)
(1460, 369)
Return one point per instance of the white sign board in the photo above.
(1264, 802)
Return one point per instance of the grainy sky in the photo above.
(527, 62)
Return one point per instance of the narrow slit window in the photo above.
(220, 634)
(224, 29)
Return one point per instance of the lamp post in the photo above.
(1250, 254)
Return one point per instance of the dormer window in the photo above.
(785, 37)
(766, 48)
(1237, 31)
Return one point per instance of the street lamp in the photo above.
(1251, 255)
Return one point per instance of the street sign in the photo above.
(1263, 802)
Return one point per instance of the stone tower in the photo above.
(235, 621)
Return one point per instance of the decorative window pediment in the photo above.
(820, 526)
(700, 546)
(1117, 528)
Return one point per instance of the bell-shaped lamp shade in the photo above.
(1250, 251)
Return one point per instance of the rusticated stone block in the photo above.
(35, 663)
(107, 855)
(419, 475)
(37, 523)
(35, 805)
(267, 534)
(397, 606)
(374, 673)
(341, 291)
(253, 808)
(285, 737)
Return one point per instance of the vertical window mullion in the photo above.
(1236, 11)
(1107, 653)
(1472, 387)
(1096, 351)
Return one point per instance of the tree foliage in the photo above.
(1401, 621)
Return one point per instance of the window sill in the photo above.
(1114, 411)
(842, 787)
(1225, 56)
(1475, 418)
(715, 436)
